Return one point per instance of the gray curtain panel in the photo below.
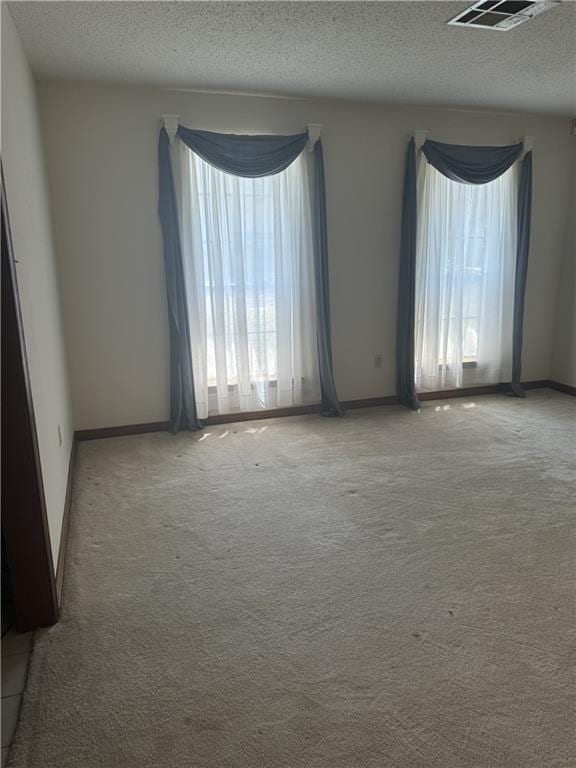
(467, 165)
(330, 404)
(522, 250)
(182, 398)
(249, 157)
(405, 388)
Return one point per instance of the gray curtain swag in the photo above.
(467, 165)
(470, 165)
(249, 157)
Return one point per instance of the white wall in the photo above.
(23, 164)
(564, 363)
(101, 154)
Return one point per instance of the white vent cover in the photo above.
(501, 14)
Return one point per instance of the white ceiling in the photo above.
(398, 52)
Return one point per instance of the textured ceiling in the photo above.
(398, 52)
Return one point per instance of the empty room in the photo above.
(288, 379)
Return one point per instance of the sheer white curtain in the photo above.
(465, 262)
(247, 249)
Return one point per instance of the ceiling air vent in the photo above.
(501, 14)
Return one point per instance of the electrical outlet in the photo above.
(59, 435)
(377, 361)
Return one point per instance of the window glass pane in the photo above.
(464, 283)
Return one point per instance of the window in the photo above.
(247, 248)
(255, 294)
(466, 250)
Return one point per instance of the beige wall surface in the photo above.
(101, 144)
(28, 208)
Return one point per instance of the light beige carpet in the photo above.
(389, 589)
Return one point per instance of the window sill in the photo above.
(213, 389)
(465, 364)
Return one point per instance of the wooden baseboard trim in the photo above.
(488, 389)
(301, 410)
(448, 394)
(123, 431)
(538, 384)
(566, 388)
(226, 418)
(61, 565)
(273, 413)
(371, 402)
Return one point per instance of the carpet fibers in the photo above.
(388, 589)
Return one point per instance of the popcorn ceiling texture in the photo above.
(397, 52)
(387, 590)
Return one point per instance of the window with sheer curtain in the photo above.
(247, 250)
(465, 265)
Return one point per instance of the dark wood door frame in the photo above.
(24, 517)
